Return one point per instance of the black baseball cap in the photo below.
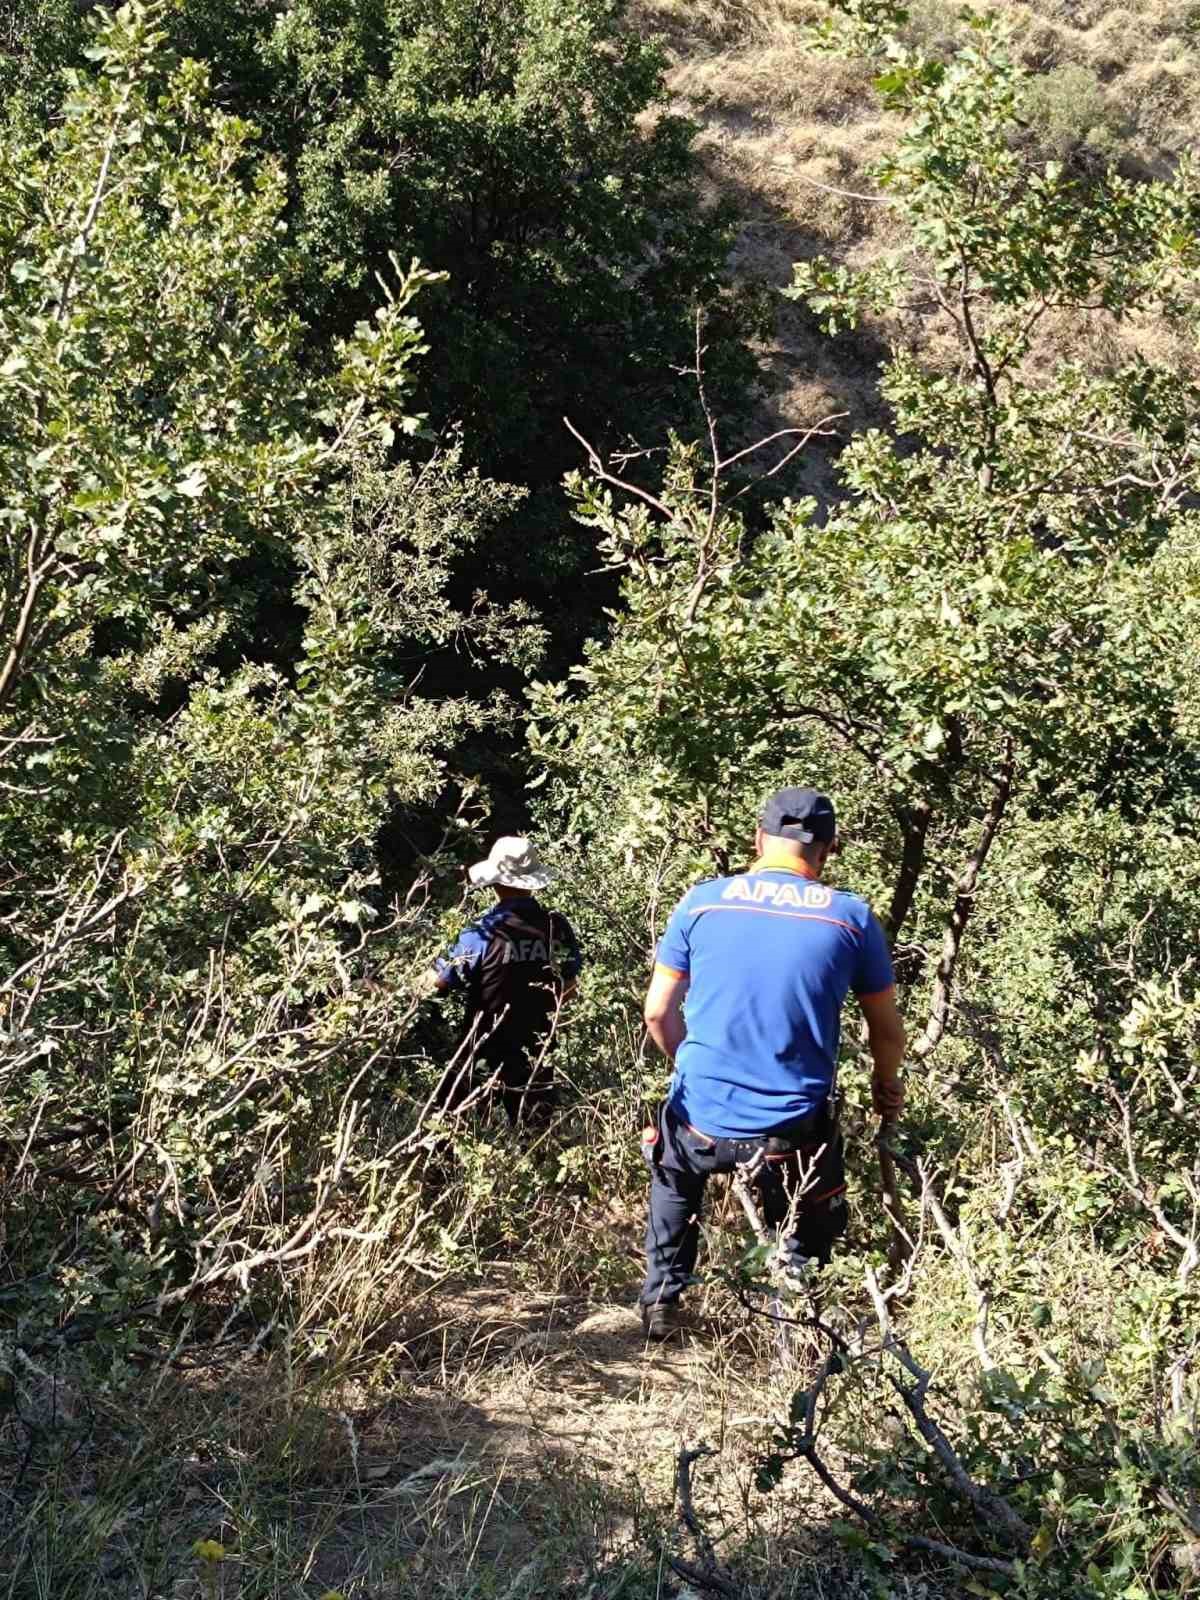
(805, 815)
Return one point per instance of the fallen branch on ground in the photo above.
(709, 1574)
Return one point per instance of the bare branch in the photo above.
(597, 466)
(989, 1505)
(957, 1243)
(964, 1558)
(819, 430)
(964, 900)
(40, 568)
(709, 1574)
(844, 194)
(900, 1247)
(804, 1449)
(1187, 1243)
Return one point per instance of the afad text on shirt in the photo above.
(764, 891)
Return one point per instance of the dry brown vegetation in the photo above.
(791, 138)
(495, 1441)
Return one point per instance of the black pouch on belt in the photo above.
(819, 1128)
(822, 1215)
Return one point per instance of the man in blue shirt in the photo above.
(516, 965)
(746, 1000)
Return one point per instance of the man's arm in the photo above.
(664, 1010)
(568, 958)
(451, 971)
(885, 1036)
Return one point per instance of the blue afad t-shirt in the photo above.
(770, 955)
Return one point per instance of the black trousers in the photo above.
(526, 1082)
(681, 1163)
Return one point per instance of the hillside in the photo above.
(790, 137)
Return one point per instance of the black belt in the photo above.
(774, 1146)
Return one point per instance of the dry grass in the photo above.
(513, 1444)
(498, 1431)
(510, 1436)
(779, 131)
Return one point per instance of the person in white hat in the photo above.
(517, 965)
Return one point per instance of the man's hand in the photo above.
(887, 1096)
(885, 1035)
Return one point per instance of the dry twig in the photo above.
(709, 1574)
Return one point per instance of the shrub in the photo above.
(1072, 117)
(205, 990)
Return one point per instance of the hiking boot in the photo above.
(663, 1320)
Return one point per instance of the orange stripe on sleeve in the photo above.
(670, 972)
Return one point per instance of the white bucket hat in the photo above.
(514, 864)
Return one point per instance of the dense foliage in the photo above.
(243, 643)
(984, 649)
(524, 147)
(188, 907)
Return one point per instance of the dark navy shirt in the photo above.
(770, 955)
(512, 963)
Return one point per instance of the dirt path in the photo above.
(535, 1450)
(513, 1445)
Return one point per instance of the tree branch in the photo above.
(914, 820)
(39, 571)
(990, 1506)
(964, 900)
(710, 1574)
(597, 466)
